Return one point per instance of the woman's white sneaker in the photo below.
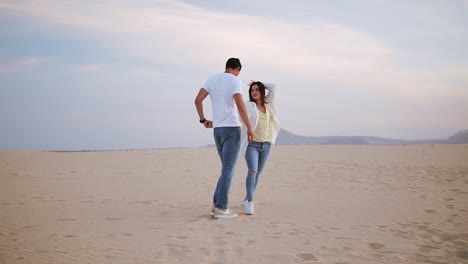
(249, 207)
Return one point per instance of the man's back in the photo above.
(221, 88)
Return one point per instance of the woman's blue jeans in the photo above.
(256, 157)
(227, 140)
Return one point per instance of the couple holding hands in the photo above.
(252, 136)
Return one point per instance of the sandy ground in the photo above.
(314, 204)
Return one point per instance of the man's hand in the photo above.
(202, 94)
(243, 113)
(250, 134)
(208, 124)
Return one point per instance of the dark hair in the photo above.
(261, 88)
(233, 63)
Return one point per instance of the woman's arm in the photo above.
(271, 87)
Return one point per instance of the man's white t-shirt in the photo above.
(221, 88)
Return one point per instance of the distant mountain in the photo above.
(287, 138)
(459, 137)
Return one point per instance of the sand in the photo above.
(314, 204)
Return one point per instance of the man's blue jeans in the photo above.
(256, 157)
(227, 141)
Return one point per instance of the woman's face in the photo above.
(255, 92)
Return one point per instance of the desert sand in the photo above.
(314, 204)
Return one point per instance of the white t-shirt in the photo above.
(221, 88)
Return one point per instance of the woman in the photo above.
(263, 119)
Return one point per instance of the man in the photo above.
(226, 98)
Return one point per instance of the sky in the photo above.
(123, 74)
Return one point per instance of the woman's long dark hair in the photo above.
(261, 88)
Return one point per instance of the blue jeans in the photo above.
(256, 156)
(227, 141)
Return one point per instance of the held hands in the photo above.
(250, 134)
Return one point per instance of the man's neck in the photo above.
(231, 71)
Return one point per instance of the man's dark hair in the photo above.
(233, 63)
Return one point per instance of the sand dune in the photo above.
(315, 204)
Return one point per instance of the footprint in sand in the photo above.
(463, 254)
(60, 236)
(233, 234)
(376, 246)
(106, 200)
(143, 202)
(451, 218)
(250, 242)
(205, 251)
(220, 252)
(307, 257)
(424, 236)
(422, 227)
(346, 238)
(219, 242)
(427, 248)
(28, 227)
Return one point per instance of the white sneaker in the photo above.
(249, 207)
(219, 213)
(212, 211)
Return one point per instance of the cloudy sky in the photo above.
(124, 73)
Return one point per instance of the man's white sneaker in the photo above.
(212, 211)
(249, 207)
(219, 213)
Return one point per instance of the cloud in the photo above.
(145, 72)
(161, 31)
(176, 33)
(180, 34)
(173, 34)
(20, 65)
(88, 68)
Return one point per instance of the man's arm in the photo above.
(243, 113)
(202, 94)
